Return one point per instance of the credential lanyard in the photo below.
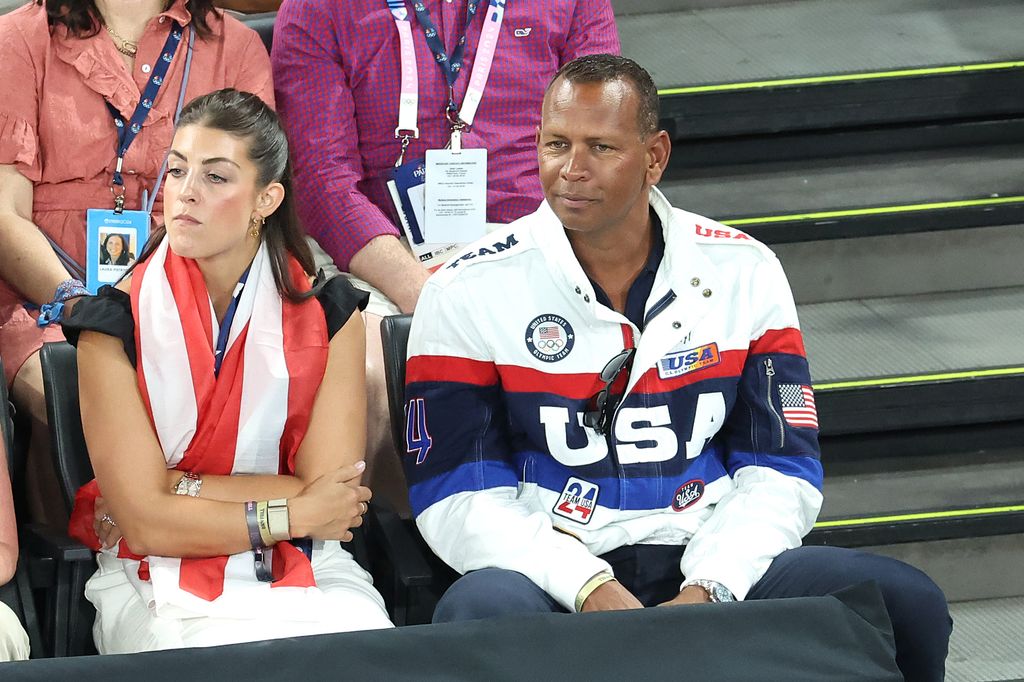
(225, 327)
(127, 131)
(70, 263)
(450, 66)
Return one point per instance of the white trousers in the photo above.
(125, 623)
(13, 638)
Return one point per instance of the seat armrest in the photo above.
(390, 532)
(41, 541)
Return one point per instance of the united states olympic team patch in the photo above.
(549, 337)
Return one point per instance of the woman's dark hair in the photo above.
(125, 256)
(246, 116)
(82, 19)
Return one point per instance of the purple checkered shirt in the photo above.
(337, 79)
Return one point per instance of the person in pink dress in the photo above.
(70, 61)
(14, 642)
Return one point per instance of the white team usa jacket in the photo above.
(714, 444)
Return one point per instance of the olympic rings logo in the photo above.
(553, 345)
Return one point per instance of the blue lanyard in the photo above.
(225, 326)
(126, 132)
(450, 66)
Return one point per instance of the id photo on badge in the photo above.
(117, 252)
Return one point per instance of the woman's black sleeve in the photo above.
(108, 312)
(339, 300)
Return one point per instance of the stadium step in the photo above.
(986, 640)
(948, 500)
(821, 64)
(903, 362)
(975, 492)
(858, 196)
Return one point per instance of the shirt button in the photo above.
(677, 325)
(578, 290)
(695, 282)
(706, 293)
(586, 297)
(146, 68)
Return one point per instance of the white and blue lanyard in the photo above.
(451, 66)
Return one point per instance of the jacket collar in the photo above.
(682, 264)
(684, 288)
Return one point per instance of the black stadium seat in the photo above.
(71, 616)
(394, 332)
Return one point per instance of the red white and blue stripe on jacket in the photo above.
(714, 443)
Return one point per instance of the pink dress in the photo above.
(56, 130)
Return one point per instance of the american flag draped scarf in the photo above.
(248, 419)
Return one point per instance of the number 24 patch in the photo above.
(577, 501)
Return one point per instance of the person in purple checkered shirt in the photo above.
(337, 78)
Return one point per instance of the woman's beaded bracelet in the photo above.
(54, 310)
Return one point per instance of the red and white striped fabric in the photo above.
(249, 419)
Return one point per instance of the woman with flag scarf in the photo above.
(240, 386)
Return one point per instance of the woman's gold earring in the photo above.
(254, 226)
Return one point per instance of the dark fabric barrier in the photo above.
(844, 637)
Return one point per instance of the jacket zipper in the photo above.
(769, 372)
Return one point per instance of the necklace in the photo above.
(126, 47)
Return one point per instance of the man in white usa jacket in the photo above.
(609, 404)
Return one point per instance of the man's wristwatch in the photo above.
(717, 592)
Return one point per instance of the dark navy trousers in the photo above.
(916, 605)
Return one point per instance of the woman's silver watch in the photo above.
(717, 592)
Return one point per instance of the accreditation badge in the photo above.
(441, 202)
(456, 195)
(113, 242)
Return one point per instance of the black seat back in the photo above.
(67, 442)
(394, 332)
(7, 426)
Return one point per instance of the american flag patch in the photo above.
(798, 405)
(552, 332)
